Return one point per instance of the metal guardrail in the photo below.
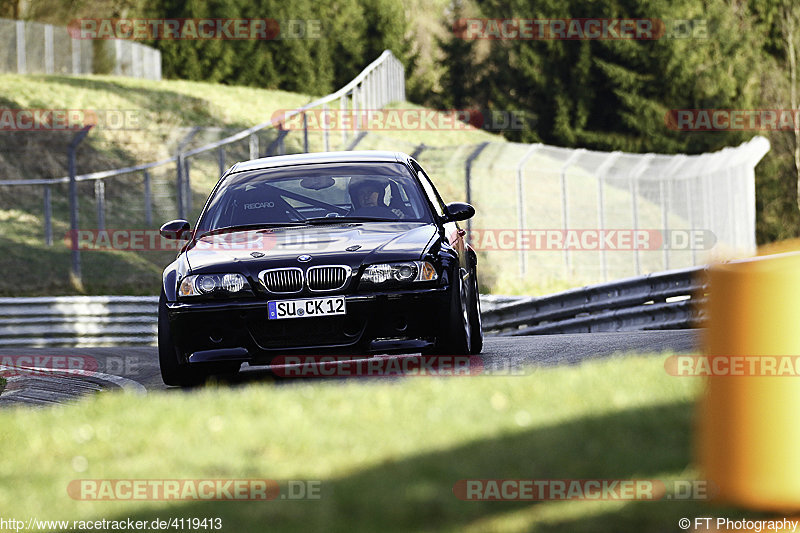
(640, 303)
(78, 321)
(664, 300)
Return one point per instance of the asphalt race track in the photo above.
(140, 364)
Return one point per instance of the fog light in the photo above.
(233, 282)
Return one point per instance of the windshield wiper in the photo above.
(263, 225)
(337, 220)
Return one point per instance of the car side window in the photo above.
(437, 203)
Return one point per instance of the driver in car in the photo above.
(367, 197)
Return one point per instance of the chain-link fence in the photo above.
(587, 216)
(34, 48)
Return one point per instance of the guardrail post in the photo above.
(179, 187)
(325, 141)
(468, 176)
(73, 203)
(179, 163)
(48, 217)
(281, 136)
(253, 146)
(221, 159)
(187, 185)
(100, 198)
(305, 132)
(148, 201)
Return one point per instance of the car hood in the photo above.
(347, 243)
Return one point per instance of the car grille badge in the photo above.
(304, 258)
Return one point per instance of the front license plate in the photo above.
(305, 308)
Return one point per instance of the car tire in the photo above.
(455, 336)
(476, 327)
(172, 372)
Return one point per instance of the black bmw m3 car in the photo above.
(336, 252)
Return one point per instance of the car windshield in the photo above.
(316, 194)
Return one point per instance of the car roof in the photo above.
(358, 156)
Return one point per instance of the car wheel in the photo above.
(476, 327)
(455, 337)
(172, 372)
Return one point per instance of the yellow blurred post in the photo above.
(749, 432)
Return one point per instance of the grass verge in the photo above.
(387, 453)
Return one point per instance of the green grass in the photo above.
(387, 453)
(2, 385)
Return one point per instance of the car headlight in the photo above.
(391, 273)
(217, 284)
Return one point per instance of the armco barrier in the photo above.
(78, 321)
(667, 300)
(664, 300)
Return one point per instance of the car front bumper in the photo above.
(216, 331)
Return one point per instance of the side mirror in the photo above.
(458, 211)
(176, 230)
